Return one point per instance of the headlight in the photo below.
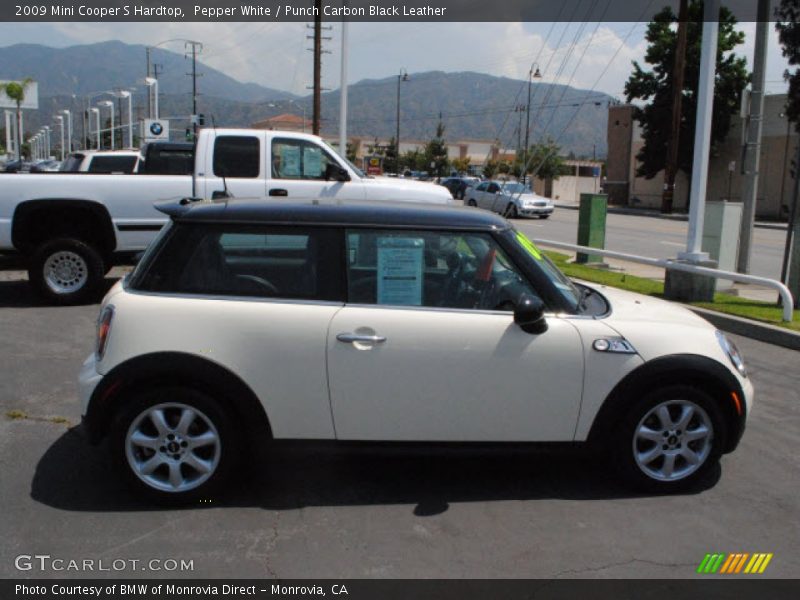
(733, 353)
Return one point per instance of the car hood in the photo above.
(631, 307)
(395, 188)
(657, 327)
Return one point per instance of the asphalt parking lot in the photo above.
(306, 514)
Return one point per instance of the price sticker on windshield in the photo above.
(529, 246)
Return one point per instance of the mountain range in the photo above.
(472, 106)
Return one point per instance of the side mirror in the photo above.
(336, 173)
(529, 315)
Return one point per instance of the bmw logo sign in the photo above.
(156, 128)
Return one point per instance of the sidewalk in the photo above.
(649, 212)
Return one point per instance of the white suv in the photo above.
(252, 321)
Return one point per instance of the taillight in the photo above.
(103, 330)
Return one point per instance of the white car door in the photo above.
(236, 162)
(423, 351)
(297, 169)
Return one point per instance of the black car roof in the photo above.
(333, 212)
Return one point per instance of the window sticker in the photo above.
(529, 245)
(312, 162)
(290, 161)
(400, 271)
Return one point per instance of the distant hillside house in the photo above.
(725, 180)
(285, 122)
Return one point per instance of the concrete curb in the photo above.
(639, 212)
(763, 332)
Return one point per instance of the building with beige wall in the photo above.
(725, 179)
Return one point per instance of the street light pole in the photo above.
(127, 94)
(96, 112)
(67, 113)
(152, 82)
(402, 76)
(60, 120)
(531, 76)
(110, 105)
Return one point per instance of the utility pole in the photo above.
(343, 95)
(753, 148)
(146, 76)
(531, 76)
(790, 273)
(702, 134)
(679, 68)
(194, 46)
(317, 65)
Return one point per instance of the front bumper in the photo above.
(536, 211)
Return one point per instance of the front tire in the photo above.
(511, 212)
(670, 441)
(471, 202)
(66, 271)
(175, 445)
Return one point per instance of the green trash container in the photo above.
(592, 226)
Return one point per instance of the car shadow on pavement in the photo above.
(19, 294)
(72, 475)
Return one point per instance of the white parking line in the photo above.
(672, 244)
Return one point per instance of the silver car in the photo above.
(510, 199)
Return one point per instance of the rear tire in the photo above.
(175, 445)
(669, 441)
(66, 271)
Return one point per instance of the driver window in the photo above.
(449, 270)
(299, 159)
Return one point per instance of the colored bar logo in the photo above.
(731, 564)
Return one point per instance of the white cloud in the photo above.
(275, 54)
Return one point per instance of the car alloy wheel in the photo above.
(173, 447)
(65, 272)
(673, 440)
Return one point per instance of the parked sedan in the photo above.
(251, 321)
(510, 199)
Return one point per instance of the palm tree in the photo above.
(15, 90)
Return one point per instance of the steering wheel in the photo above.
(262, 283)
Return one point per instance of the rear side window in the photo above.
(275, 262)
(237, 156)
(113, 164)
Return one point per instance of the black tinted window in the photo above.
(113, 164)
(288, 262)
(236, 156)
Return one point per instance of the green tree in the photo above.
(15, 90)
(390, 158)
(461, 164)
(788, 27)
(490, 168)
(655, 86)
(436, 153)
(545, 161)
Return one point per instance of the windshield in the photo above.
(564, 286)
(515, 188)
(358, 171)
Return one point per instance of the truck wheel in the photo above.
(66, 271)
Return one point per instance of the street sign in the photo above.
(374, 165)
(155, 129)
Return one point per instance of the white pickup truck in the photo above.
(71, 228)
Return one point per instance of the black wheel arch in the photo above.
(687, 369)
(40, 220)
(175, 368)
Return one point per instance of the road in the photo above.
(312, 515)
(653, 237)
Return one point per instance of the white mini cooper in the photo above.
(248, 321)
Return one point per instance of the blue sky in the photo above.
(589, 56)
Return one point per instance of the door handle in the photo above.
(278, 192)
(354, 337)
